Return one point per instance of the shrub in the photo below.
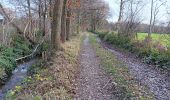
(110, 37)
(45, 46)
(163, 60)
(21, 46)
(7, 59)
(119, 41)
(143, 52)
(100, 34)
(7, 62)
(150, 56)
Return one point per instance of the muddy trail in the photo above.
(157, 80)
(92, 80)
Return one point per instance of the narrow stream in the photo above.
(18, 75)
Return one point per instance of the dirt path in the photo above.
(92, 81)
(157, 80)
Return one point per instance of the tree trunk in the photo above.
(44, 17)
(68, 25)
(78, 22)
(151, 20)
(30, 31)
(39, 14)
(63, 21)
(121, 11)
(120, 17)
(56, 24)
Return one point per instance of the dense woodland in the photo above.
(54, 33)
(30, 24)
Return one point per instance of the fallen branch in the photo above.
(32, 54)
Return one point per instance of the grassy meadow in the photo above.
(162, 38)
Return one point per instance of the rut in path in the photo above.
(92, 80)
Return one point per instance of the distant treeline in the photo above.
(162, 29)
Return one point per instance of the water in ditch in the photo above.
(18, 75)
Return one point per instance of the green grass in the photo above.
(126, 87)
(162, 38)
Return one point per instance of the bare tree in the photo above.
(155, 6)
(132, 18)
(121, 12)
(122, 3)
(94, 14)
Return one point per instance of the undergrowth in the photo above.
(18, 48)
(126, 87)
(53, 80)
(150, 53)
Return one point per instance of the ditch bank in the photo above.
(15, 77)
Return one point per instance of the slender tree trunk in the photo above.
(56, 24)
(120, 17)
(151, 20)
(44, 17)
(93, 22)
(63, 20)
(68, 25)
(39, 14)
(78, 22)
(121, 11)
(29, 18)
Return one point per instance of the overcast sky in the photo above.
(114, 9)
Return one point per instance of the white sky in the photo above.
(114, 9)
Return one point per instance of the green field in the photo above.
(163, 38)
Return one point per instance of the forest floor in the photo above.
(138, 81)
